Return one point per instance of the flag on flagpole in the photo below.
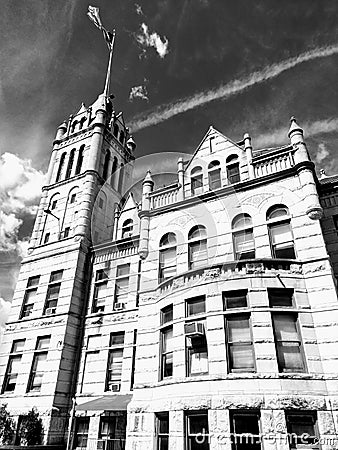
(94, 15)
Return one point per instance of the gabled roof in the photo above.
(211, 132)
(129, 203)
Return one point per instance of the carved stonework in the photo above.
(212, 273)
(326, 423)
(257, 199)
(296, 268)
(315, 213)
(178, 282)
(295, 402)
(314, 267)
(35, 324)
(254, 268)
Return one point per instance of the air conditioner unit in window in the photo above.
(114, 387)
(194, 329)
(50, 311)
(119, 306)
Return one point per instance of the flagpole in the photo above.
(111, 51)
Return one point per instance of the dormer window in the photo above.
(232, 166)
(116, 130)
(214, 173)
(196, 177)
(127, 228)
(244, 245)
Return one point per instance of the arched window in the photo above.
(70, 164)
(116, 130)
(113, 170)
(127, 228)
(81, 123)
(281, 238)
(60, 169)
(167, 257)
(197, 247)
(214, 172)
(232, 166)
(106, 165)
(74, 124)
(121, 138)
(196, 178)
(79, 160)
(244, 245)
(120, 184)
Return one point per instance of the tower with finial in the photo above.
(89, 170)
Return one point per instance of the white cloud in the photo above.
(20, 191)
(321, 153)
(153, 40)
(280, 135)
(138, 92)
(165, 112)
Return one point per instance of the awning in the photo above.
(108, 403)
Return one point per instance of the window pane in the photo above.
(101, 275)
(285, 327)
(116, 339)
(281, 233)
(198, 361)
(167, 314)
(195, 306)
(244, 241)
(286, 251)
(18, 345)
(90, 371)
(238, 329)
(241, 357)
(122, 270)
(198, 424)
(167, 340)
(94, 342)
(235, 299)
(53, 292)
(289, 356)
(167, 365)
(43, 343)
(56, 276)
(215, 179)
(168, 256)
(280, 297)
(33, 281)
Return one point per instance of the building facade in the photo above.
(203, 315)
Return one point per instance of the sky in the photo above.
(179, 67)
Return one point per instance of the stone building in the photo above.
(202, 315)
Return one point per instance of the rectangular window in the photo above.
(100, 291)
(302, 429)
(162, 430)
(133, 361)
(282, 240)
(46, 239)
(233, 173)
(115, 361)
(53, 292)
(245, 432)
(107, 433)
(39, 364)
(197, 430)
(30, 293)
(13, 366)
(239, 343)
(195, 306)
(244, 245)
(91, 362)
(81, 432)
(166, 352)
(122, 284)
(197, 355)
(73, 198)
(279, 298)
(167, 314)
(54, 203)
(198, 254)
(288, 343)
(235, 299)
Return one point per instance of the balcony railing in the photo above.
(273, 163)
(248, 267)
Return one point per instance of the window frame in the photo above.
(101, 282)
(121, 297)
(29, 288)
(165, 248)
(114, 348)
(232, 162)
(164, 331)
(161, 417)
(127, 229)
(200, 241)
(240, 230)
(196, 180)
(273, 223)
(15, 355)
(244, 315)
(301, 415)
(40, 351)
(214, 168)
(294, 315)
(54, 283)
(189, 436)
(247, 434)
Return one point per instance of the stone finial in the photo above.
(148, 178)
(294, 127)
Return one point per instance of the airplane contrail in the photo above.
(165, 112)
